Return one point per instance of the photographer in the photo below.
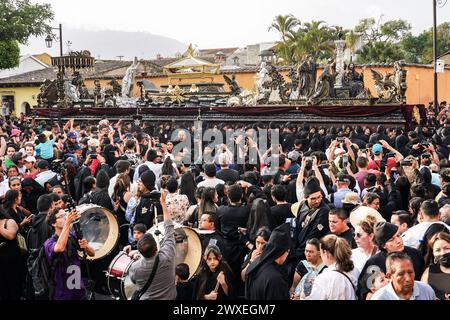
(62, 251)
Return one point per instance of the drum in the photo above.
(119, 283)
(188, 245)
(100, 229)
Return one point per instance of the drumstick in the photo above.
(216, 289)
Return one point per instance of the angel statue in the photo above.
(232, 83)
(261, 78)
(128, 79)
(385, 86)
(71, 92)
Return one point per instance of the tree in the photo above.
(285, 25)
(300, 40)
(382, 40)
(9, 54)
(19, 19)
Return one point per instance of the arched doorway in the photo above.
(25, 108)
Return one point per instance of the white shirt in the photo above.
(112, 184)
(332, 285)
(155, 167)
(421, 291)
(4, 187)
(210, 183)
(359, 258)
(45, 176)
(413, 236)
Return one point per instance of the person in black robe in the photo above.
(266, 277)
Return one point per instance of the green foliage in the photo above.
(299, 40)
(19, 19)
(9, 54)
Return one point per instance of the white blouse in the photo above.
(332, 285)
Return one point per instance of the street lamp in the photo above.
(49, 40)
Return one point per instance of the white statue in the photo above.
(71, 92)
(128, 79)
(261, 78)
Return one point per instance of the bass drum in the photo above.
(100, 229)
(119, 283)
(188, 245)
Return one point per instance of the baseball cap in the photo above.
(377, 149)
(72, 135)
(15, 132)
(30, 159)
(342, 177)
(293, 155)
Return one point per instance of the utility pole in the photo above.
(435, 80)
(120, 57)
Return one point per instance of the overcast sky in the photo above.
(229, 23)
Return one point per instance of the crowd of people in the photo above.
(331, 213)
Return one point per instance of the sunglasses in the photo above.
(358, 235)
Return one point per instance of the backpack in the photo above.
(41, 273)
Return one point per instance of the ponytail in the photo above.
(340, 250)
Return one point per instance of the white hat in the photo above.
(93, 143)
(361, 213)
(30, 159)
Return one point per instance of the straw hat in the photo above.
(361, 213)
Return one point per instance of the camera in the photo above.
(93, 156)
(340, 139)
(308, 159)
(154, 196)
(58, 166)
(390, 155)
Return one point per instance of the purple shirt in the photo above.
(67, 270)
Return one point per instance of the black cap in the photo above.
(311, 186)
(148, 179)
(342, 177)
(384, 231)
(43, 164)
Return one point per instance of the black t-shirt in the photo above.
(281, 212)
(348, 235)
(228, 175)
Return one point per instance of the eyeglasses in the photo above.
(358, 235)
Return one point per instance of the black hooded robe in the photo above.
(267, 283)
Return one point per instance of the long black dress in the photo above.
(10, 283)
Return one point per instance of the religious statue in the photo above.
(325, 84)
(293, 75)
(71, 92)
(116, 88)
(128, 79)
(391, 87)
(307, 71)
(400, 80)
(232, 83)
(261, 79)
(48, 93)
(353, 80)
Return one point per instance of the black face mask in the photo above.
(444, 260)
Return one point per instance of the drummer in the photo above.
(138, 231)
